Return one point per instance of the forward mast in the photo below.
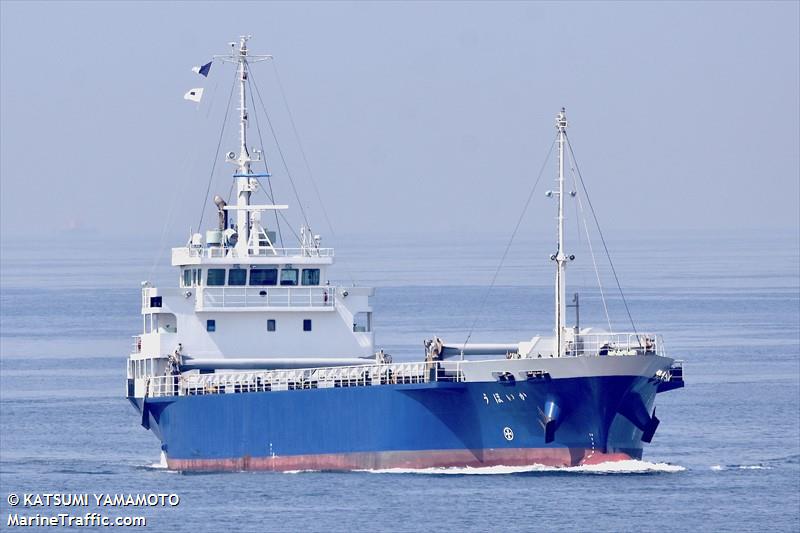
(560, 256)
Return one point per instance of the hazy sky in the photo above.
(416, 117)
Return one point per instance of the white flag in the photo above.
(194, 95)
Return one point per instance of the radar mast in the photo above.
(246, 181)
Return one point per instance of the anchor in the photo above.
(548, 419)
(633, 408)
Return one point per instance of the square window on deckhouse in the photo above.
(271, 324)
(211, 326)
(263, 276)
(310, 276)
(237, 277)
(289, 276)
(307, 324)
(215, 277)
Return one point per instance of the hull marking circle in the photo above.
(508, 433)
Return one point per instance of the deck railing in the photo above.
(616, 344)
(309, 378)
(266, 251)
(262, 251)
(607, 344)
(221, 297)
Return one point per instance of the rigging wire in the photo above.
(271, 194)
(280, 152)
(283, 217)
(591, 248)
(510, 241)
(230, 192)
(185, 172)
(308, 166)
(578, 237)
(213, 97)
(168, 220)
(216, 154)
(602, 239)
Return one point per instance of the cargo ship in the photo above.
(257, 360)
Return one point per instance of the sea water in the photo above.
(726, 456)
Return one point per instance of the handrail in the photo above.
(253, 251)
(297, 379)
(616, 344)
(261, 251)
(267, 296)
(369, 374)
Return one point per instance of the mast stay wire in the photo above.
(510, 242)
(168, 220)
(283, 217)
(578, 236)
(591, 248)
(308, 166)
(602, 239)
(216, 153)
(190, 156)
(271, 194)
(213, 97)
(280, 151)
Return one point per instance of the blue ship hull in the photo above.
(408, 426)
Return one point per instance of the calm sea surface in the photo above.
(725, 458)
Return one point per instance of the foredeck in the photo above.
(235, 382)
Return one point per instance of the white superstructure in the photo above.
(242, 302)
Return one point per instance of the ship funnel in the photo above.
(223, 215)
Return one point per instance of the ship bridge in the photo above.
(255, 307)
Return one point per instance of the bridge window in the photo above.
(289, 276)
(307, 324)
(263, 276)
(187, 277)
(310, 276)
(216, 277)
(237, 276)
(211, 325)
(271, 324)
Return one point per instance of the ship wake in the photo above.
(718, 468)
(160, 465)
(631, 466)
